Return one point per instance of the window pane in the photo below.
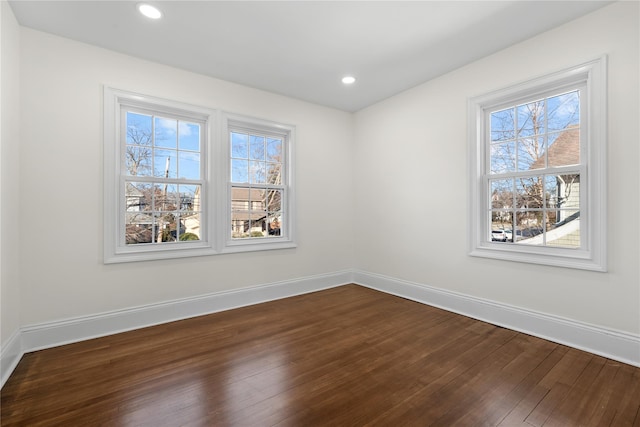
(138, 228)
(503, 157)
(166, 197)
(138, 129)
(256, 147)
(239, 145)
(501, 226)
(189, 165)
(166, 132)
(501, 193)
(568, 191)
(563, 110)
(529, 227)
(189, 136)
(529, 192)
(274, 173)
(189, 227)
(138, 196)
(275, 225)
(564, 147)
(531, 154)
(166, 226)
(189, 197)
(257, 172)
(502, 125)
(138, 160)
(273, 200)
(274, 150)
(164, 163)
(239, 171)
(531, 119)
(566, 231)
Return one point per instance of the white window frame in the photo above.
(232, 121)
(592, 255)
(115, 249)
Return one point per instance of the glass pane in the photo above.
(258, 225)
(502, 125)
(189, 136)
(501, 193)
(257, 172)
(274, 150)
(138, 160)
(274, 200)
(531, 154)
(503, 157)
(275, 225)
(568, 191)
(138, 129)
(565, 232)
(189, 165)
(189, 227)
(563, 110)
(239, 145)
(189, 197)
(138, 228)
(564, 147)
(551, 186)
(256, 147)
(501, 226)
(274, 173)
(239, 171)
(529, 192)
(167, 197)
(138, 196)
(165, 164)
(531, 119)
(166, 132)
(529, 228)
(166, 226)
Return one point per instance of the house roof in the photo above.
(564, 151)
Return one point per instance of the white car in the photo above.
(498, 236)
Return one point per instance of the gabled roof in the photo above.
(564, 151)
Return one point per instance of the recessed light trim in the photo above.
(348, 80)
(149, 11)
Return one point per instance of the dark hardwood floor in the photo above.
(347, 356)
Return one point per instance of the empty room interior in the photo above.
(320, 213)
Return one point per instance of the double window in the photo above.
(538, 163)
(175, 186)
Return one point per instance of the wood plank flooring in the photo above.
(348, 356)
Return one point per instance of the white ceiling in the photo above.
(303, 48)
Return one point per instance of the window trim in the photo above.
(593, 255)
(288, 132)
(114, 249)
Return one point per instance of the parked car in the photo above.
(498, 236)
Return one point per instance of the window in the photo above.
(537, 162)
(258, 184)
(176, 188)
(157, 203)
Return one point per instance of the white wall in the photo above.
(411, 180)
(61, 185)
(9, 177)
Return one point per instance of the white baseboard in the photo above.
(52, 334)
(10, 356)
(615, 345)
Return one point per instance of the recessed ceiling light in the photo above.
(348, 80)
(149, 11)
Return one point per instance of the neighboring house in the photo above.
(564, 229)
(248, 212)
(250, 215)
